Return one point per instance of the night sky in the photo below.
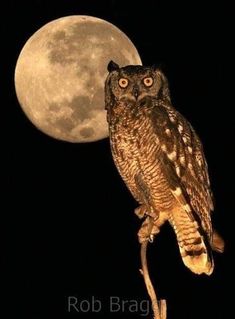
(68, 228)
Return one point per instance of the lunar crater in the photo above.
(87, 132)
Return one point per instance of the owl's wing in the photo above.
(184, 162)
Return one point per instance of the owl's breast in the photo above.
(131, 139)
(136, 152)
(126, 147)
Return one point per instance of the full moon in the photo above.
(60, 75)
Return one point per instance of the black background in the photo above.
(68, 228)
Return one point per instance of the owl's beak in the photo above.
(135, 92)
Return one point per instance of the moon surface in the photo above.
(60, 75)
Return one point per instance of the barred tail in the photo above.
(193, 249)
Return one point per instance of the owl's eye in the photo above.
(148, 81)
(123, 82)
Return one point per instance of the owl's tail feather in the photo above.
(193, 249)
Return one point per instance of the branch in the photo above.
(159, 311)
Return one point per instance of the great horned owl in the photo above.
(161, 159)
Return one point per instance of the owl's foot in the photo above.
(148, 230)
(141, 211)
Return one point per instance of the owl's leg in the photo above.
(143, 211)
(161, 218)
(151, 226)
(148, 230)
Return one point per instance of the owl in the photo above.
(160, 158)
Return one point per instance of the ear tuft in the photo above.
(158, 66)
(155, 67)
(112, 66)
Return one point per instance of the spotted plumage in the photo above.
(161, 160)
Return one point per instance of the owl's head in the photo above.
(134, 83)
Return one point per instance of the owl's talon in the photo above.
(147, 230)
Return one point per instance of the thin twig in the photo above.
(158, 311)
